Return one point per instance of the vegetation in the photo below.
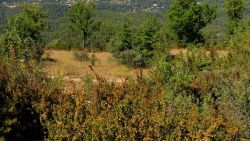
(23, 39)
(72, 68)
(136, 49)
(200, 92)
(234, 10)
(186, 18)
(82, 22)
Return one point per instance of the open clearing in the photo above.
(63, 63)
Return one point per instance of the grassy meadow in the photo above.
(58, 63)
(61, 62)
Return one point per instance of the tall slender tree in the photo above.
(81, 20)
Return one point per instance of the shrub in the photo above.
(164, 69)
(22, 88)
(139, 110)
(131, 58)
(234, 10)
(53, 44)
(81, 56)
(88, 82)
(191, 102)
(187, 105)
(24, 37)
(69, 41)
(93, 60)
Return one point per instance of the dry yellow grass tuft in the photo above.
(106, 66)
(182, 51)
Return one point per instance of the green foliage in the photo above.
(5, 12)
(81, 56)
(164, 69)
(122, 47)
(123, 39)
(23, 38)
(69, 40)
(100, 38)
(234, 10)
(131, 58)
(81, 21)
(185, 108)
(53, 44)
(136, 50)
(186, 18)
(1, 44)
(87, 82)
(147, 38)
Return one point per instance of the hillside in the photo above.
(116, 5)
(136, 70)
(106, 10)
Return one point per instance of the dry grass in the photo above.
(65, 64)
(105, 66)
(182, 51)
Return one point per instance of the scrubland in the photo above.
(146, 80)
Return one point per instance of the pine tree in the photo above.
(147, 38)
(123, 39)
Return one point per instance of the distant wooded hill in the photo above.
(106, 10)
(115, 5)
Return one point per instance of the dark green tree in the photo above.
(81, 20)
(234, 10)
(23, 38)
(186, 18)
(102, 36)
(123, 39)
(147, 37)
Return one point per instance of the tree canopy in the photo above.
(81, 20)
(24, 33)
(234, 10)
(186, 18)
